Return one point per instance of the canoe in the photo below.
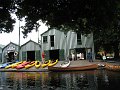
(37, 64)
(31, 64)
(65, 64)
(77, 68)
(52, 63)
(20, 66)
(46, 63)
(112, 67)
(11, 65)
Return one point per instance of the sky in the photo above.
(6, 38)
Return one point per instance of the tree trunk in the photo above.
(116, 50)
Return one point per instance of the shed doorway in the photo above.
(80, 53)
(30, 55)
(10, 56)
(54, 54)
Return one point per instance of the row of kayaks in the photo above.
(29, 64)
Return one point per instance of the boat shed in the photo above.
(59, 45)
(53, 44)
(30, 51)
(10, 53)
(1, 47)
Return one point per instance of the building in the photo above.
(58, 45)
(30, 51)
(1, 47)
(10, 53)
(53, 44)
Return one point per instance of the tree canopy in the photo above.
(102, 17)
(6, 20)
(79, 15)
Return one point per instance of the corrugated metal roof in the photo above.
(31, 41)
(49, 30)
(9, 44)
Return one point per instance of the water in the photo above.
(80, 80)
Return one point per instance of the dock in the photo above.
(76, 63)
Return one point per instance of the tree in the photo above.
(82, 16)
(6, 20)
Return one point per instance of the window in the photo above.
(79, 39)
(52, 40)
(44, 39)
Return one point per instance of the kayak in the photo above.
(16, 64)
(20, 66)
(31, 64)
(53, 63)
(46, 63)
(37, 64)
(11, 65)
(65, 64)
(5, 64)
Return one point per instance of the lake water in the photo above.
(80, 80)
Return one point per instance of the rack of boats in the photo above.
(51, 66)
(28, 64)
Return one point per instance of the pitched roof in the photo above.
(30, 41)
(49, 30)
(9, 44)
(45, 32)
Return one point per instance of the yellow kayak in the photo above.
(11, 65)
(31, 64)
(46, 63)
(14, 65)
(37, 64)
(53, 63)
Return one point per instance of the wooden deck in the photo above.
(76, 63)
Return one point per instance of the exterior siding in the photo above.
(59, 42)
(66, 43)
(30, 46)
(0, 54)
(5, 50)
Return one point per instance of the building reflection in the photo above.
(80, 80)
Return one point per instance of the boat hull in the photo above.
(112, 67)
(46, 64)
(78, 68)
(65, 64)
(37, 64)
(54, 63)
(30, 65)
(20, 66)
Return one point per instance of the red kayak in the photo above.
(20, 66)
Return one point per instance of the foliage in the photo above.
(6, 20)
(83, 16)
(102, 17)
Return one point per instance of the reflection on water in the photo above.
(80, 80)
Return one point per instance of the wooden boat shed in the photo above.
(10, 53)
(1, 47)
(30, 51)
(59, 45)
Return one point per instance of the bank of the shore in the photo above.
(76, 63)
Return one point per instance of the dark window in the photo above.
(44, 39)
(79, 39)
(52, 40)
